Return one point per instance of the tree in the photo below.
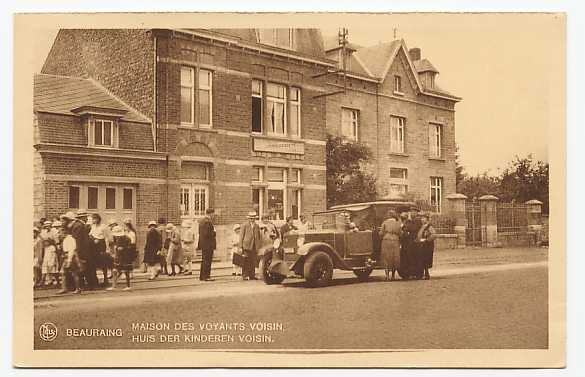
(347, 180)
(525, 179)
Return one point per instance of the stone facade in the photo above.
(376, 100)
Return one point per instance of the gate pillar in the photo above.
(456, 210)
(534, 217)
(489, 220)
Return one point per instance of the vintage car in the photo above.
(330, 244)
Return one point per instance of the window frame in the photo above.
(190, 188)
(398, 85)
(106, 198)
(194, 88)
(92, 124)
(435, 140)
(398, 181)
(436, 185)
(274, 41)
(97, 198)
(284, 101)
(78, 196)
(401, 127)
(132, 199)
(354, 115)
(298, 104)
(261, 97)
(209, 88)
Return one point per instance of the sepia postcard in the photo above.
(289, 190)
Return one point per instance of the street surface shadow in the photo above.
(353, 280)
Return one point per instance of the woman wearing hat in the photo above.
(98, 234)
(124, 257)
(425, 239)
(151, 250)
(175, 252)
(188, 245)
(390, 248)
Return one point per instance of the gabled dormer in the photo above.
(425, 69)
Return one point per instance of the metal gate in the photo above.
(474, 230)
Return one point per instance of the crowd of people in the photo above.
(69, 250)
(407, 244)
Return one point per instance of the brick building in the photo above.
(389, 100)
(166, 123)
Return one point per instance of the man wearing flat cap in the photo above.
(250, 242)
(206, 244)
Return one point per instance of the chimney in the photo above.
(414, 54)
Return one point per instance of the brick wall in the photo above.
(121, 60)
(103, 166)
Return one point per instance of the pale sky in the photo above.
(502, 67)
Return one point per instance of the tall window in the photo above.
(194, 200)
(397, 134)
(398, 183)
(349, 124)
(283, 38)
(110, 198)
(102, 133)
(276, 108)
(204, 98)
(128, 202)
(92, 197)
(257, 106)
(73, 196)
(187, 95)
(436, 193)
(397, 84)
(435, 140)
(295, 112)
(196, 104)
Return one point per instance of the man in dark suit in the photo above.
(206, 244)
(250, 242)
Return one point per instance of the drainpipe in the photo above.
(377, 137)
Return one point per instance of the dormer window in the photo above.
(283, 38)
(102, 133)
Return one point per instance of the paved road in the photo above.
(496, 304)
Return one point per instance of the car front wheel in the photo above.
(318, 269)
(268, 277)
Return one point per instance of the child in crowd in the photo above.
(124, 257)
(37, 257)
(235, 253)
(50, 263)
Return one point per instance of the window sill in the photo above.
(276, 137)
(196, 128)
(105, 147)
(401, 94)
(401, 154)
(437, 159)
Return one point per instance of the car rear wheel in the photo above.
(363, 275)
(318, 269)
(268, 277)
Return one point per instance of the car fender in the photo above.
(308, 248)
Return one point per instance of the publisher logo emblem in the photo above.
(48, 332)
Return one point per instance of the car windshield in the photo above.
(364, 216)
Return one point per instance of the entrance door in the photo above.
(276, 190)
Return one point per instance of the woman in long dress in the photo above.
(425, 240)
(175, 250)
(390, 248)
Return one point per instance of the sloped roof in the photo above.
(307, 41)
(63, 94)
(424, 65)
(376, 57)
